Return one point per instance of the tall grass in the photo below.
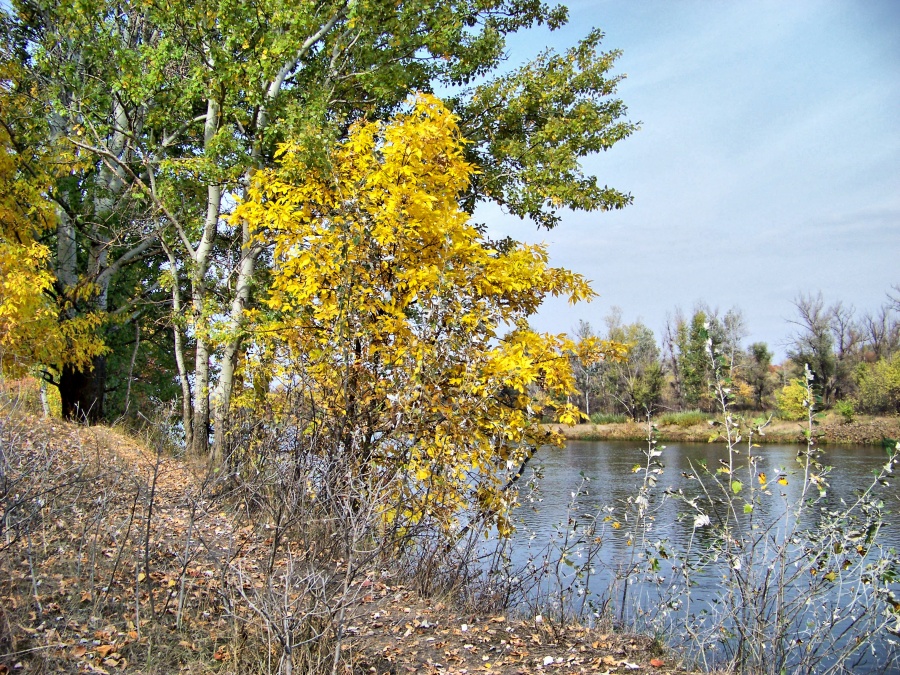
(608, 418)
(687, 418)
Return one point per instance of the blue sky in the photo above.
(768, 162)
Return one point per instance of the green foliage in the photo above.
(608, 418)
(879, 386)
(687, 418)
(846, 410)
(693, 359)
(530, 128)
(793, 400)
(756, 372)
(635, 383)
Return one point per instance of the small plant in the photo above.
(846, 410)
(794, 568)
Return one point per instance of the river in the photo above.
(649, 560)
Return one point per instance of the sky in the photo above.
(767, 164)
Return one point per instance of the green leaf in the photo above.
(748, 508)
(736, 486)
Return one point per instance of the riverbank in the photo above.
(118, 556)
(832, 429)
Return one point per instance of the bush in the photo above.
(686, 418)
(793, 400)
(879, 386)
(846, 410)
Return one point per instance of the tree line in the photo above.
(852, 356)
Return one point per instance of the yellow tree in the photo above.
(390, 307)
(35, 330)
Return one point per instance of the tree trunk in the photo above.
(233, 346)
(82, 392)
(200, 291)
(200, 431)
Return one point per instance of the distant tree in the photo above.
(879, 386)
(693, 359)
(636, 383)
(587, 372)
(832, 342)
(757, 363)
(689, 347)
(813, 344)
(793, 400)
(881, 332)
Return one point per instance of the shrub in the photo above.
(879, 386)
(846, 410)
(793, 400)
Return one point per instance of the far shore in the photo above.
(862, 431)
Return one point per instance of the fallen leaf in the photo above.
(104, 650)
(657, 663)
(77, 652)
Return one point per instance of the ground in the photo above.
(119, 557)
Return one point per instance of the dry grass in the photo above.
(117, 556)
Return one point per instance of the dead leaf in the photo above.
(77, 652)
(104, 650)
(657, 663)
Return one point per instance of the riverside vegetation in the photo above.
(118, 554)
(245, 229)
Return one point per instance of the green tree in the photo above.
(635, 382)
(175, 106)
(691, 345)
(694, 360)
(879, 386)
(757, 363)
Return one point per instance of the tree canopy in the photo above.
(389, 307)
(171, 108)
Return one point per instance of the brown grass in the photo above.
(117, 556)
